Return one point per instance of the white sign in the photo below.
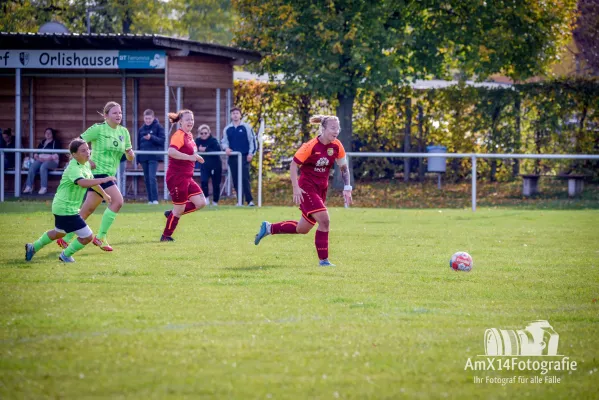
(83, 59)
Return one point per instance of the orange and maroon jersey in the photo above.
(316, 160)
(185, 144)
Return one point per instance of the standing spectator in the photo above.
(43, 162)
(212, 166)
(151, 138)
(239, 136)
(8, 142)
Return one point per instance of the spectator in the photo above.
(212, 166)
(8, 142)
(239, 136)
(43, 162)
(151, 138)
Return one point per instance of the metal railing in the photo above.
(474, 157)
(18, 168)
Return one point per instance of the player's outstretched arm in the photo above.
(87, 183)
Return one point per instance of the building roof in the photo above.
(110, 41)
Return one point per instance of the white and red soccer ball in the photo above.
(461, 261)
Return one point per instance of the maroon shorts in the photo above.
(182, 190)
(313, 203)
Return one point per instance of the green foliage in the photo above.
(560, 116)
(201, 20)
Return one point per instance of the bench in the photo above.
(575, 183)
(530, 184)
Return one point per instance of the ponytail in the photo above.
(176, 117)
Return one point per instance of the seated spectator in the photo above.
(8, 142)
(212, 166)
(151, 138)
(43, 162)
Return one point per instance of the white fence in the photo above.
(474, 157)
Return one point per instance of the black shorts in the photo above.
(103, 185)
(69, 223)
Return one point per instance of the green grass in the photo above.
(213, 316)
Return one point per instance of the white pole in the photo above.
(261, 149)
(18, 142)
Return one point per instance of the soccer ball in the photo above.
(461, 261)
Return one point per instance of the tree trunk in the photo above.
(494, 140)
(518, 138)
(420, 142)
(305, 102)
(345, 115)
(407, 139)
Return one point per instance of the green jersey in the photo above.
(108, 146)
(69, 195)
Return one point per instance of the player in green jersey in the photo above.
(109, 140)
(76, 178)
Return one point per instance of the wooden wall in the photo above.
(199, 72)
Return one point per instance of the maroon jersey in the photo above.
(185, 144)
(316, 160)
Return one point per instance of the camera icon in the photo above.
(537, 339)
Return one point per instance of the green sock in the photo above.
(73, 248)
(68, 237)
(107, 220)
(42, 241)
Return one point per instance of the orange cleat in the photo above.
(102, 244)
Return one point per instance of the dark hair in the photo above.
(149, 112)
(176, 117)
(53, 131)
(75, 144)
(235, 109)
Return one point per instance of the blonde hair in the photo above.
(176, 117)
(108, 107)
(204, 126)
(322, 120)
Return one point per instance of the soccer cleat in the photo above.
(62, 243)
(64, 258)
(325, 263)
(166, 239)
(29, 251)
(263, 232)
(102, 244)
(167, 213)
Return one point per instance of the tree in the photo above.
(586, 33)
(203, 20)
(336, 47)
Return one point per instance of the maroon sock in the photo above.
(289, 227)
(171, 225)
(189, 207)
(321, 240)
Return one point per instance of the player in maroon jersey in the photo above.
(186, 194)
(315, 160)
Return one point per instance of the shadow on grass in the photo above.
(254, 268)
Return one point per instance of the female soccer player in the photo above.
(186, 194)
(315, 160)
(109, 141)
(65, 206)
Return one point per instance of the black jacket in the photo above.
(211, 145)
(156, 142)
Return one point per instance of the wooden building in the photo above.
(62, 81)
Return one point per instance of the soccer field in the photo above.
(213, 316)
